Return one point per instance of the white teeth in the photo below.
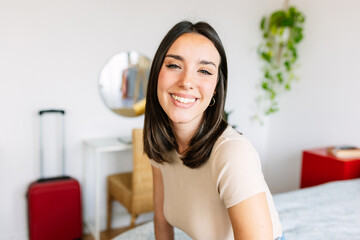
(183, 100)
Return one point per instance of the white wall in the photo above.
(322, 108)
(51, 54)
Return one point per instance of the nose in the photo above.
(186, 80)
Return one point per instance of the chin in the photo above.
(179, 120)
(184, 118)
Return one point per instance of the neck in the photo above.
(183, 133)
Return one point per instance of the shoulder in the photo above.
(235, 168)
(231, 141)
(233, 151)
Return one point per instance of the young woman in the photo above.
(207, 177)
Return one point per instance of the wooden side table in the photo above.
(318, 166)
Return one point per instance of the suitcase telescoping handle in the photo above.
(41, 113)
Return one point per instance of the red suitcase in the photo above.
(54, 204)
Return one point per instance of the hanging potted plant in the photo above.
(282, 31)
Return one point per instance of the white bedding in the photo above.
(327, 211)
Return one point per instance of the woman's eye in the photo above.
(205, 72)
(172, 66)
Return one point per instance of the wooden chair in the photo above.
(134, 190)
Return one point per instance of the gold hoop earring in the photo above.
(212, 103)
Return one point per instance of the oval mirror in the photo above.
(123, 81)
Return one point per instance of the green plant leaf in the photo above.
(271, 110)
(281, 32)
(272, 94)
(262, 24)
(266, 56)
(276, 18)
(287, 65)
(267, 75)
(265, 85)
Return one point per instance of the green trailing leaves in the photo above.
(282, 31)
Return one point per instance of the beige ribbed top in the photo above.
(196, 200)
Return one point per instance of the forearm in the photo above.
(251, 218)
(163, 230)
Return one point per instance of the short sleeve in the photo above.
(236, 171)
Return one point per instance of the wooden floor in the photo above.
(107, 235)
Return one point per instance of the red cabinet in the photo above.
(318, 166)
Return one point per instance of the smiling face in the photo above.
(188, 78)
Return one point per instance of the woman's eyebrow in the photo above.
(205, 62)
(177, 57)
(180, 58)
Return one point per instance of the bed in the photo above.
(327, 211)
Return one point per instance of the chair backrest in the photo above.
(142, 182)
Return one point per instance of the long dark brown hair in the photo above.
(159, 139)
